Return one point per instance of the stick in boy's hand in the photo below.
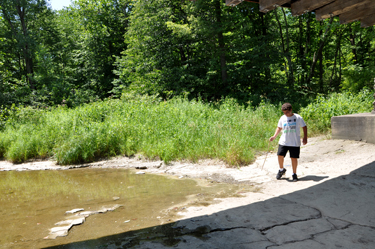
(267, 152)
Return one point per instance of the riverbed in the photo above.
(250, 204)
(33, 202)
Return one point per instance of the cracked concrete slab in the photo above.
(298, 231)
(347, 198)
(352, 237)
(235, 238)
(308, 244)
(358, 237)
(339, 224)
(259, 215)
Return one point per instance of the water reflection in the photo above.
(33, 201)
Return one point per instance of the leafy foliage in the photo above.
(200, 49)
(320, 112)
(171, 130)
(225, 60)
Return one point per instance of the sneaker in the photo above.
(295, 178)
(280, 174)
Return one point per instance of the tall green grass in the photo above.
(319, 113)
(177, 129)
(168, 130)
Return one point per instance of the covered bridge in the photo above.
(347, 10)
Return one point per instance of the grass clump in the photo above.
(319, 113)
(168, 130)
(177, 129)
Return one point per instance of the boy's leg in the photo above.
(281, 171)
(281, 153)
(280, 156)
(294, 155)
(294, 164)
(281, 161)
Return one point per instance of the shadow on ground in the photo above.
(337, 213)
(309, 178)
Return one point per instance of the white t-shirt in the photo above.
(291, 130)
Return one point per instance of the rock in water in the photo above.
(74, 210)
(58, 229)
(73, 220)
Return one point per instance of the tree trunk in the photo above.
(320, 49)
(321, 86)
(182, 55)
(267, 71)
(25, 48)
(300, 58)
(334, 71)
(340, 56)
(307, 46)
(223, 62)
(282, 37)
(352, 43)
(287, 54)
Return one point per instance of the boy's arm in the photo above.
(277, 131)
(304, 140)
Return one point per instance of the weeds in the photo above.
(171, 130)
(167, 130)
(319, 113)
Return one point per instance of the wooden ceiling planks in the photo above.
(347, 10)
(267, 5)
(357, 13)
(232, 2)
(302, 6)
(368, 21)
(339, 7)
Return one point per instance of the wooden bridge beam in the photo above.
(232, 3)
(368, 21)
(347, 10)
(358, 13)
(339, 7)
(267, 5)
(302, 6)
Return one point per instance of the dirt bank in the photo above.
(320, 157)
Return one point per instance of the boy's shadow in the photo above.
(308, 178)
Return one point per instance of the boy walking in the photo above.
(290, 124)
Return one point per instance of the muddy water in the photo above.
(31, 202)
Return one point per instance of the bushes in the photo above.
(169, 130)
(319, 113)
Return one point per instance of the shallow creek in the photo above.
(32, 202)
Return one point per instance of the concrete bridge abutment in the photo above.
(360, 127)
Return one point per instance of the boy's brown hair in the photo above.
(286, 107)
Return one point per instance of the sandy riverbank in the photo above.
(319, 158)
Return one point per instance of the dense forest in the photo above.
(170, 79)
(101, 49)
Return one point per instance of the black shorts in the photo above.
(293, 151)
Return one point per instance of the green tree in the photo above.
(22, 19)
(101, 25)
(201, 48)
(160, 52)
